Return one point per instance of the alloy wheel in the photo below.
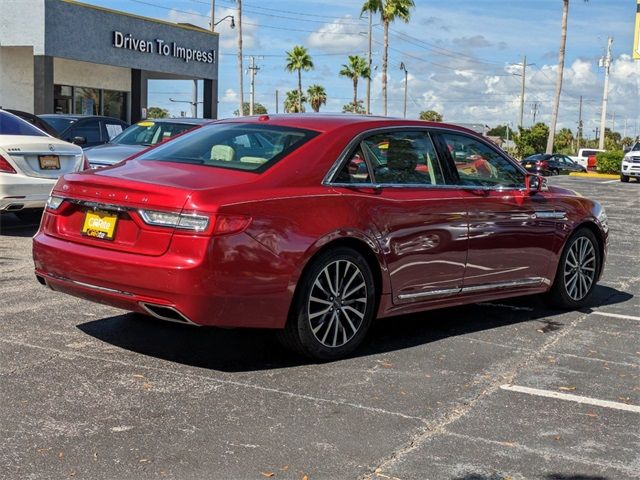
(337, 303)
(580, 268)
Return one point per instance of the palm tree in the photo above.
(317, 96)
(356, 68)
(389, 10)
(298, 59)
(294, 103)
(556, 102)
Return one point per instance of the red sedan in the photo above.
(316, 225)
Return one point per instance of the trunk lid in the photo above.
(123, 190)
(32, 155)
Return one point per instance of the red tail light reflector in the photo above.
(226, 224)
(5, 166)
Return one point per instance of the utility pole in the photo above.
(252, 94)
(579, 132)
(534, 110)
(403, 67)
(369, 63)
(213, 9)
(613, 122)
(240, 89)
(625, 129)
(277, 106)
(606, 63)
(524, 74)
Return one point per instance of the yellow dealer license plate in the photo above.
(49, 162)
(99, 224)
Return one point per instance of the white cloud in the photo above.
(228, 36)
(341, 35)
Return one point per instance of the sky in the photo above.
(464, 57)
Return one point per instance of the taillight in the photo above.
(226, 224)
(542, 163)
(183, 221)
(5, 166)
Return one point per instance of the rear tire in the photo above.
(333, 307)
(624, 178)
(577, 271)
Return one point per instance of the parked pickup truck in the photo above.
(583, 157)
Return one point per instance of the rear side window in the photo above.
(235, 146)
(12, 125)
(479, 165)
(89, 130)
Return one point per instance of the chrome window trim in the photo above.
(338, 164)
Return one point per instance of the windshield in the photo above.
(149, 133)
(635, 147)
(238, 146)
(12, 125)
(59, 123)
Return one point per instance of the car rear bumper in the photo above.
(183, 287)
(21, 192)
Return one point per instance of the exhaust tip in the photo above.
(14, 207)
(41, 280)
(165, 313)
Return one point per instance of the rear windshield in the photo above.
(238, 146)
(149, 133)
(12, 125)
(537, 156)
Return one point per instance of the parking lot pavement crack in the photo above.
(545, 453)
(231, 383)
(505, 374)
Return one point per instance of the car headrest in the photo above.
(222, 153)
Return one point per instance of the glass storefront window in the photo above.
(87, 101)
(90, 101)
(114, 104)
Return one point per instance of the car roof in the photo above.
(76, 117)
(187, 121)
(325, 122)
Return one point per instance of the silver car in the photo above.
(138, 137)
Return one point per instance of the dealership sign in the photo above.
(160, 47)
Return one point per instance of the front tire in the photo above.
(624, 178)
(577, 271)
(333, 308)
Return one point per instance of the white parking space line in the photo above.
(572, 398)
(616, 315)
(612, 181)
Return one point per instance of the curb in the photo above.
(595, 175)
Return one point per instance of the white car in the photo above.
(583, 156)
(631, 164)
(31, 162)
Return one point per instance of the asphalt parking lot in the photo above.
(508, 390)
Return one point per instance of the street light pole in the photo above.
(369, 63)
(213, 9)
(524, 74)
(240, 89)
(406, 84)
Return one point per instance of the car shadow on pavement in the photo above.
(239, 350)
(12, 226)
(550, 476)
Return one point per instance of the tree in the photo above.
(356, 68)
(389, 11)
(157, 112)
(293, 103)
(563, 141)
(531, 140)
(298, 59)
(354, 108)
(499, 131)
(258, 109)
(317, 96)
(430, 116)
(556, 101)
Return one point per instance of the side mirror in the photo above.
(79, 140)
(534, 183)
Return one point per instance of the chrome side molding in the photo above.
(525, 282)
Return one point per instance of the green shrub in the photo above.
(609, 162)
